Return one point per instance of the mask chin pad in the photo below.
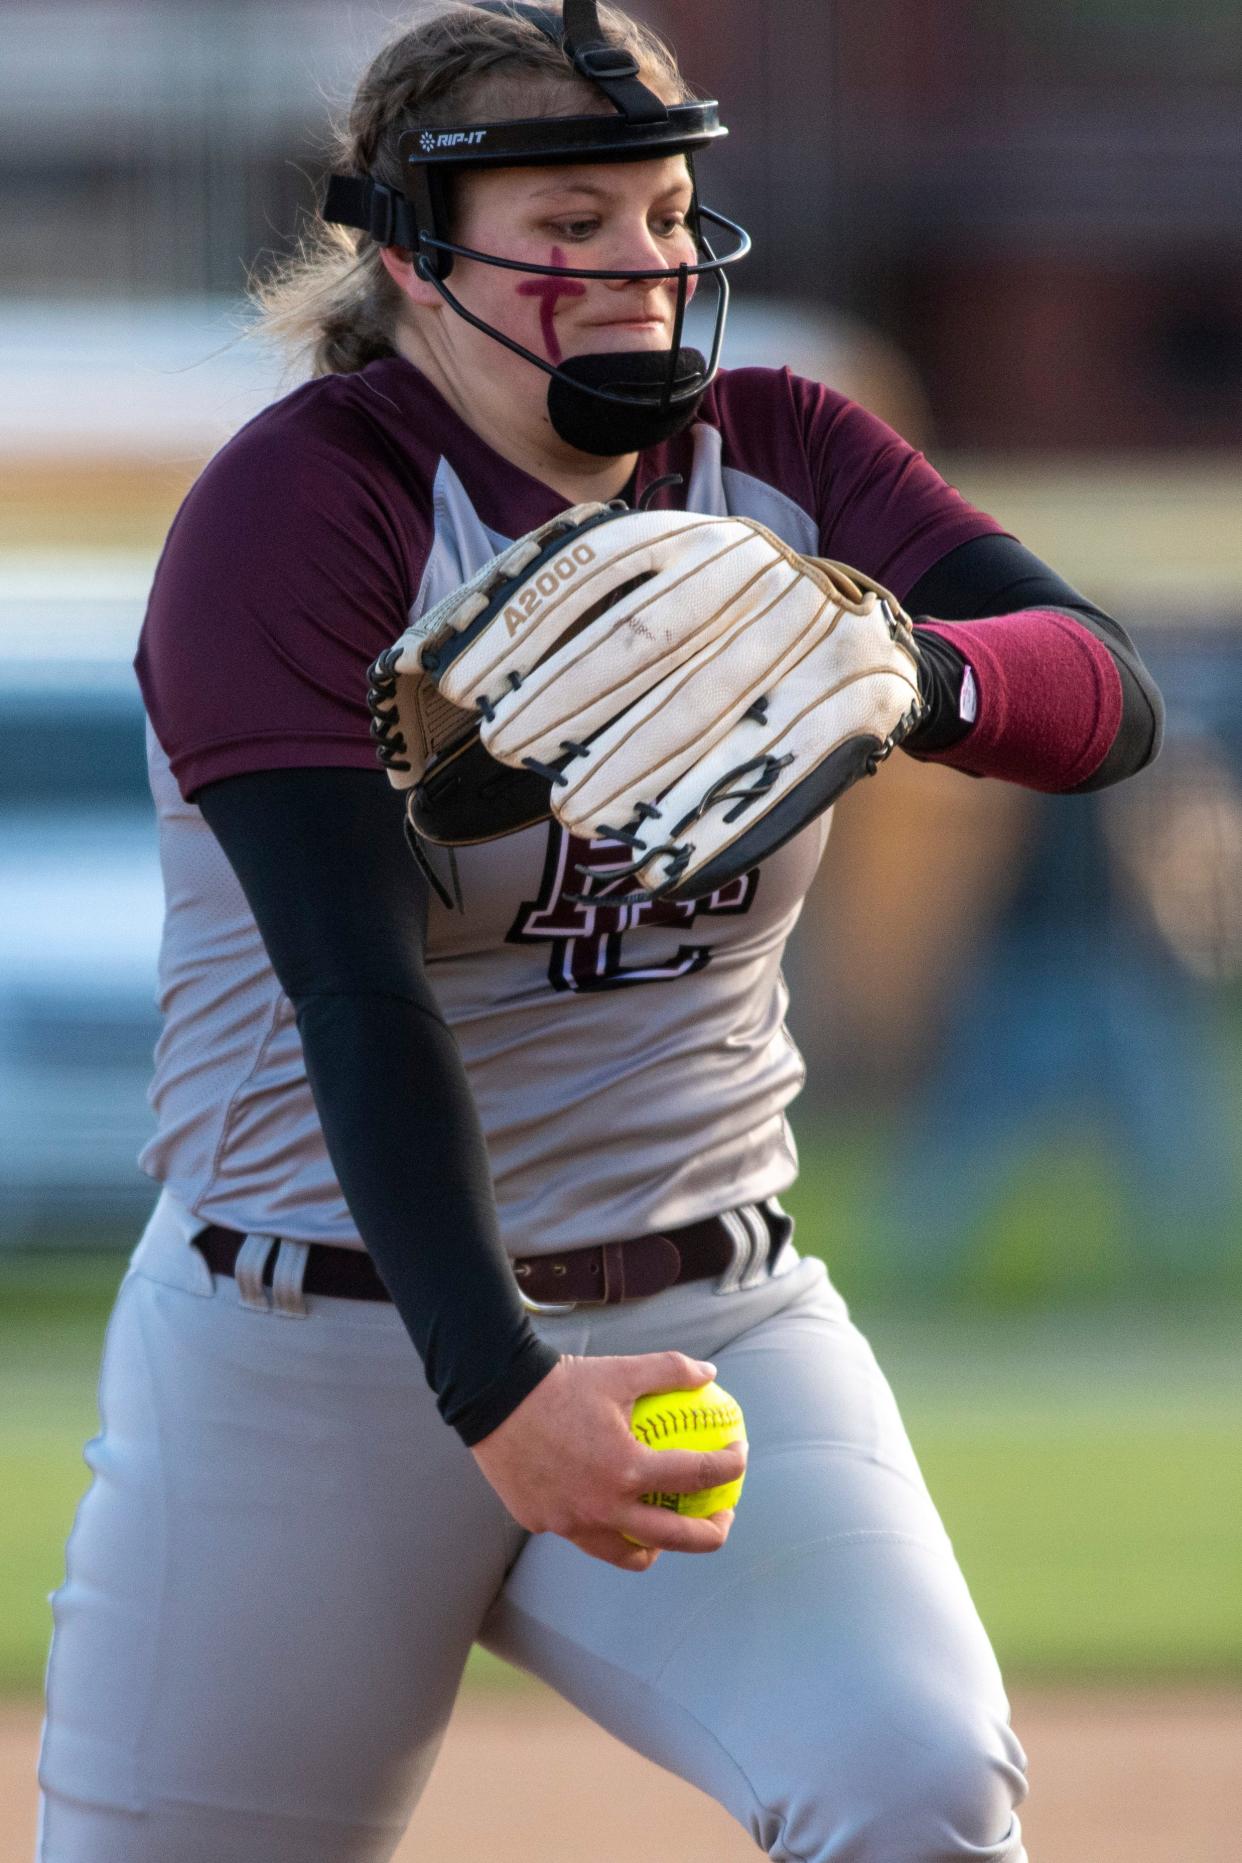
(643, 416)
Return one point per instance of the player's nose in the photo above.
(635, 248)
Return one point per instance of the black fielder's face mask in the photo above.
(623, 402)
(608, 403)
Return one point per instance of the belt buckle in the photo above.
(553, 1307)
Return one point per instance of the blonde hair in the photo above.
(332, 303)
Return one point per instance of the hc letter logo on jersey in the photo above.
(586, 936)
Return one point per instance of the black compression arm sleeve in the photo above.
(341, 907)
(997, 575)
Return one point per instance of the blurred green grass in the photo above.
(1064, 1226)
(1087, 1458)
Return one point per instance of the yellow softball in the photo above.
(704, 1419)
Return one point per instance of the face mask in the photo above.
(663, 393)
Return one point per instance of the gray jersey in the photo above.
(630, 1064)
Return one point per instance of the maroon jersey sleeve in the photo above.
(289, 567)
(880, 505)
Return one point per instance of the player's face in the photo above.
(622, 216)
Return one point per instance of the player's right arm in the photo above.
(286, 572)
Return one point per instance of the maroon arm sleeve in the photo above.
(1059, 696)
(1048, 698)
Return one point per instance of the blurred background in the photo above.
(1014, 229)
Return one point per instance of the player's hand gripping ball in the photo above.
(706, 1419)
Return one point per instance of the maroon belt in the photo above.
(600, 1275)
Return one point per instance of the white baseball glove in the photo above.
(689, 686)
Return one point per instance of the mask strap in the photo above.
(610, 68)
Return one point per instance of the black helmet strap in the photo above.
(610, 68)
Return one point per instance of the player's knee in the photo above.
(954, 1797)
(937, 1788)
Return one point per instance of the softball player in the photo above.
(534, 1142)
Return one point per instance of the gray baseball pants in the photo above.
(284, 1557)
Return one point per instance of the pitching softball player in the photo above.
(460, 1155)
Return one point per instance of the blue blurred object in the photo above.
(79, 934)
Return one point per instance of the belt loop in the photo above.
(252, 1258)
(287, 1296)
(612, 1260)
(753, 1252)
(740, 1237)
(781, 1230)
(761, 1240)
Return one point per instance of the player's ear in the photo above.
(398, 262)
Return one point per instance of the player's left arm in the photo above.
(1027, 680)
(1060, 699)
